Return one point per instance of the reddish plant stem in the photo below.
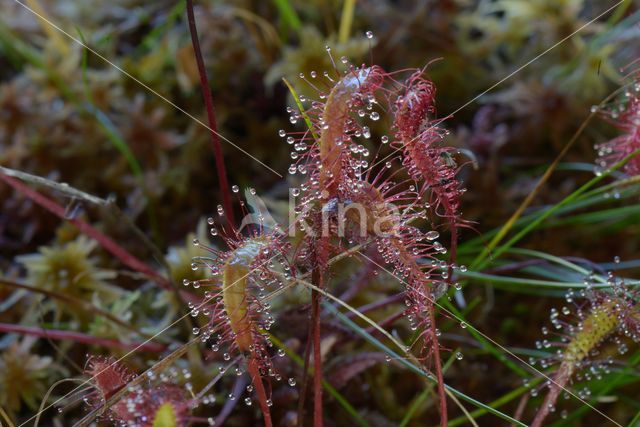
(521, 407)
(305, 376)
(438, 366)
(317, 362)
(453, 250)
(79, 337)
(560, 382)
(211, 117)
(106, 242)
(256, 380)
(429, 305)
(317, 279)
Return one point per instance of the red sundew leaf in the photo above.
(109, 375)
(627, 142)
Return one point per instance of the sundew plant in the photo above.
(291, 213)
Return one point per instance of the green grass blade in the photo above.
(289, 14)
(588, 199)
(482, 260)
(376, 343)
(346, 20)
(498, 402)
(490, 278)
(485, 344)
(151, 39)
(305, 116)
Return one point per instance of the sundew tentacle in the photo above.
(608, 316)
(348, 93)
(233, 303)
(340, 179)
(236, 271)
(146, 405)
(426, 159)
(406, 248)
(627, 119)
(328, 152)
(238, 305)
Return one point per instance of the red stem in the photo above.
(438, 366)
(317, 363)
(305, 376)
(211, 117)
(79, 337)
(317, 279)
(106, 242)
(453, 229)
(560, 381)
(302, 392)
(256, 379)
(521, 407)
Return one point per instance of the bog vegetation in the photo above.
(319, 213)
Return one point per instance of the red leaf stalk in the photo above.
(317, 278)
(256, 380)
(438, 366)
(334, 126)
(211, 117)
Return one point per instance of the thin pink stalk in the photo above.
(57, 334)
(211, 117)
(438, 366)
(87, 306)
(317, 357)
(320, 249)
(560, 382)
(106, 242)
(256, 380)
(522, 405)
(305, 376)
